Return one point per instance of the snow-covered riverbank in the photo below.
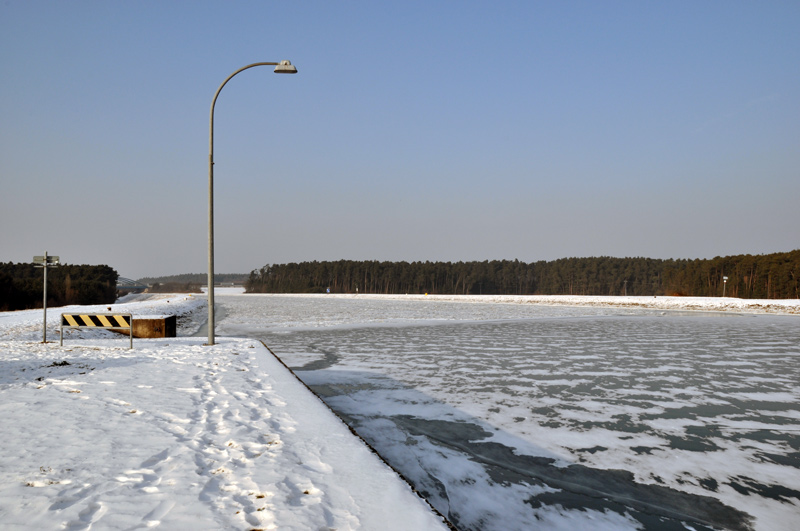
(728, 304)
(177, 434)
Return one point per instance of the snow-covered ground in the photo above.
(178, 435)
(776, 306)
(505, 412)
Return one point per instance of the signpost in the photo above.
(44, 262)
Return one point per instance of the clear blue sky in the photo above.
(413, 131)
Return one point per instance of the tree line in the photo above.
(196, 278)
(770, 276)
(175, 287)
(21, 285)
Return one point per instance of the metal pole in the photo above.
(44, 302)
(211, 228)
(211, 202)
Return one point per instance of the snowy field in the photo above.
(177, 435)
(560, 413)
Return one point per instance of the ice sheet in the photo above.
(703, 404)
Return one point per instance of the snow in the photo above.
(176, 434)
(706, 304)
(495, 408)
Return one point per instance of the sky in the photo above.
(531, 130)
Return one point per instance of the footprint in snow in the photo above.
(163, 455)
(88, 516)
(154, 517)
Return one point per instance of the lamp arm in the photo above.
(214, 103)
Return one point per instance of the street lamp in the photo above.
(724, 285)
(284, 67)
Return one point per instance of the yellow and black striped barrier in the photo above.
(97, 320)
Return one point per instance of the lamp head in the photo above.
(285, 67)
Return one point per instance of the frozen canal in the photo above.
(509, 416)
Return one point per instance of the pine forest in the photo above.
(769, 276)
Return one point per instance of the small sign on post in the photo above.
(44, 262)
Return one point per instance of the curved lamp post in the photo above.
(284, 67)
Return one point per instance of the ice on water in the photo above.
(508, 414)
